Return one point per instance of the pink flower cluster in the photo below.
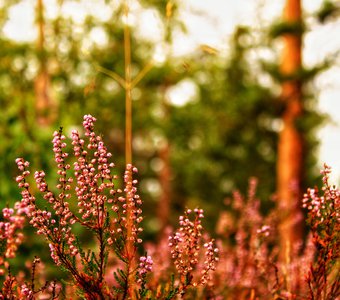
(324, 220)
(127, 210)
(13, 220)
(54, 255)
(26, 291)
(209, 262)
(321, 206)
(145, 266)
(185, 247)
(264, 230)
(26, 205)
(55, 227)
(10, 234)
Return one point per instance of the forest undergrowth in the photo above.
(241, 260)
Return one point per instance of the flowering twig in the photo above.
(324, 219)
(185, 245)
(114, 219)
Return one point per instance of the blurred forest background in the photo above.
(203, 123)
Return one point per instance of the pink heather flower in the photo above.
(93, 175)
(185, 242)
(321, 207)
(120, 207)
(26, 291)
(209, 262)
(54, 255)
(264, 230)
(10, 232)
(39, 177)
(323, 217)
(7, 212)
(325, 172)
(53, 229)
(145, 265)
(186, 250)
(89, 123)
(22, 165)
(58, 145)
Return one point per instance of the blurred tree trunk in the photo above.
(164, 179)
(290, 147)
(164, 175)
(42, 81)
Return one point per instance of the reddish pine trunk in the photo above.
(164, 178)
(290, 148)
(42, 81)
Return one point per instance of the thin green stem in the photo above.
(128, 87)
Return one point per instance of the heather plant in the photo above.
(111, 215)
(183, 260)
(247, 249)
(88, 198)
(242, 263)
(187, 244)
(323, 208)
(250, 265)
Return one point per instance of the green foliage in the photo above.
(121, 279)
(173, 291)
(282, 28)
(216, 141)
(328, 10)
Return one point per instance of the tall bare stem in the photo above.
(130, 247)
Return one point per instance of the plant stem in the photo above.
(130, 249)
(128, 102)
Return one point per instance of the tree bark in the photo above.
(42, 81)
(164, 175)
(165, 198)
(290, 147)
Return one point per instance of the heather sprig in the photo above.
(11, 235)
(112, 215)
(187, 244)
(323, 208)
(145, 267)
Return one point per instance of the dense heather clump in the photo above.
(323, 278)
(185, 248)
(249, 254)
(242, 262)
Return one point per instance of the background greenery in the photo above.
(227, 132)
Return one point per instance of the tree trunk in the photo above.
(42, 81)
(290, 147)
(164, 175)
(164, 179)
